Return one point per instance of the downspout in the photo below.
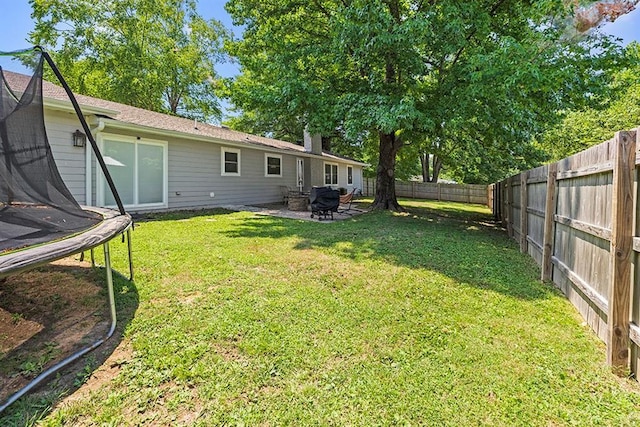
(94, 132)
(88, 166)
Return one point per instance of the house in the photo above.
(161, 162)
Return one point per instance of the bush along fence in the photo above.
(465, 193)
(578, 219)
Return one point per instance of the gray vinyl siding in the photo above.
(342, 174)
(357, 177)
(195, 173)
(342, 177)
(69, 159)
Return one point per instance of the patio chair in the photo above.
(347, 199)
(284, 191)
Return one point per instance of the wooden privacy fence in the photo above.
(578, 219)
(465, 193)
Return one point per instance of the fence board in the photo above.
(549, 224)
(634, 330)
(524, 216)
(591, 294)
(594, 230)
(509, 206)
(587, 171)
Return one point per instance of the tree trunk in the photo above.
(424, 162)
(385, 178)
(389, 142)
(437, 167)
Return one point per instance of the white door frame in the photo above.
(300, 173)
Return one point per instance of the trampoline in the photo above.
(40, 220)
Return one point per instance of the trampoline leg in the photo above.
(112, 301)
(130, 256)
(93, 258)
(82, 352)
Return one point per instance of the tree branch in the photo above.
(322, 9)
(473, 32)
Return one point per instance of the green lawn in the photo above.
(431, 317)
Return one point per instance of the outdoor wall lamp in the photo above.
(79, 139)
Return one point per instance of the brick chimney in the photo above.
(312, 143)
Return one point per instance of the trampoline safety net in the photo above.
(35, 204)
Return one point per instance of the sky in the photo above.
(16, 22)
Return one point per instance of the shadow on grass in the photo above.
(461, 243)
(55, 313)
(178, 215)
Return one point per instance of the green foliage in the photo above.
(462, 80)
(484, 163)
(83, 375)
(584, 128)
(16, 318)
(432, 317)
(34, 365)
(285, 129)
(157, 55)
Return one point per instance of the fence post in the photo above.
(490, 198)
(497, 201)
(621, 247)
(500, 205)
(524, 217)
(509, 210)
(549, 221)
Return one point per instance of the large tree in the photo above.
(483, 73)
(154, 54)
(581, 129)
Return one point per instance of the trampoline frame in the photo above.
(112, 225)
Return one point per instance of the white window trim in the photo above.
(324, 168)
(349, 175)
(224, 150)
(101, 181)
(266, 165)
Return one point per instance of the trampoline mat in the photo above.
(25, 225)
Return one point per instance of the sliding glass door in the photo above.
(139, 171)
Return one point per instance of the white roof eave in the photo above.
(67, 106)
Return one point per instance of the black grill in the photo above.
(324, 202)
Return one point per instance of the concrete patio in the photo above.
(281, 210)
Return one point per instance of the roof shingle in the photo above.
(160, 121)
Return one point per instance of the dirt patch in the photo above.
(46, 315)
(103, 374)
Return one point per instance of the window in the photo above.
(230, 161)
(138, 168)
(272, 165)
(330, 174)
(349, 175)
